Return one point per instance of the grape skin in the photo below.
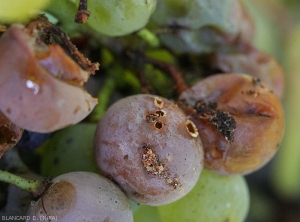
(215, 198)
(119, 17)
(82, 196)
(124, 130)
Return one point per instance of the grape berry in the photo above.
(150, 148)
(81, 196)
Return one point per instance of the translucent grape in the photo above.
(240, 120)
(214, 199)
(81, 196)
(150, 148)
(119, 17)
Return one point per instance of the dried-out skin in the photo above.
(10, 134)
(40, 87)
(81, 196)
(258, 116)
(149, 149)
(254, 63)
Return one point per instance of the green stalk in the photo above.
(103, 98)
(32, 186)
(149, 37)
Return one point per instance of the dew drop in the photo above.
(32, 85)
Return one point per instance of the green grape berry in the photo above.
(146, 214)
(16, 10)
(215, 198)
(119, 17)
(68, 150)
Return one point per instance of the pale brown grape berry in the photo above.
(240, 122)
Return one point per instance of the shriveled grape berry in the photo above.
(240, 120)
(81, 196)
(150, 148)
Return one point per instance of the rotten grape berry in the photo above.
(240, 121)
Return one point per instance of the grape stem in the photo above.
(82, 13)
(146, 88)
(171, 71)
(35, 187)
(107, 89)
(149, 37)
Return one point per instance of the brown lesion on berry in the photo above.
(224, 123)
(154, 166)
(157, 119)
(152, 117)
(205, 109)
(256, 81)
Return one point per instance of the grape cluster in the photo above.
(155, 149)
(171, 157)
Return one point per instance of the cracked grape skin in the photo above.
(124, 130)
(81, 196)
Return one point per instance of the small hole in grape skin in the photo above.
(152, 118)
(191, 128)
(158, 125)
(161, 113)
(158, 102)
